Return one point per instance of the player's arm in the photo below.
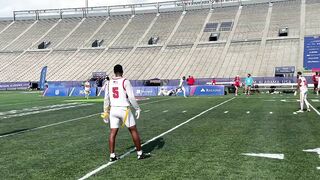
(181, 81)
(298, 87)
(103, 88)
(132, 99)
(299, 84)
(106, 102)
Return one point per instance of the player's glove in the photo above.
(138, 111)
(105, 115)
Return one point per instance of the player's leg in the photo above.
(112, 140)
(131, 124)
(306, 101)
(236, 93)
(301, 101)
(135, 137)
(184, 91)
(114, 127)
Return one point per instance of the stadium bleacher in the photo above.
(247, 43)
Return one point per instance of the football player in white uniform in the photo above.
(118, 98)
(303, 88)
(87, 87)
(181, 86)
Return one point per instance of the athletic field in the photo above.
(188, 138)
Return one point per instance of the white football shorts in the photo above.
(117, 115)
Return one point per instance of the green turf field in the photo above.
(65, 138)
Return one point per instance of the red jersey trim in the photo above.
(123, 84)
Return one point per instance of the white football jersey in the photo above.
(303, 84)
(117, 93)
(182, 82)
(87, 85)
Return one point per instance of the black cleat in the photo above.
(114, 158)
(144, 156)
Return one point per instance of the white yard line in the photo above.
(265, 155)
(314, 109)
(70, 120)
(153, 139)
(226, 112)
(43, 111)
(35, 108)
(165, 111)
(37, 101)
(184, 111)
(49, 125)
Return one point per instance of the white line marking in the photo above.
(315, 100)
(316, 150)
(265, 155)
(184, 111)
(36, 108)
(49, 125)
(270, 100)
(71, 92)
(157, 101)
(294, 112)
(147, 111)
(42, 111)
(170, 130)
(318, 168)
(270, 112)
(226, 112)
(165, 111)
(315, 109)
(70, 120)
(248, 112)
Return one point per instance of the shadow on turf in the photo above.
(156, 144)
(13, 132)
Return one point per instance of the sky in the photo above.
(8, 6)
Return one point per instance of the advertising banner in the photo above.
(207, 90)
(56, 91)
(43, 77)
(79, 91)
(311, 52)
(145, 91)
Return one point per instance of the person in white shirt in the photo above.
(164, 92)
(117, 101)
(302, 86)
(87, 87)
(181, 86)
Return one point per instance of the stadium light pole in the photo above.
(87, 6)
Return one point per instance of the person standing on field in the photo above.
(302, 87)
(117, 101)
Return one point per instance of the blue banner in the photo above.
(14, 85)
(311, 52)
(208, 90)
(79, 91)
(145, 91)
(43, 77)
(56, 92)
